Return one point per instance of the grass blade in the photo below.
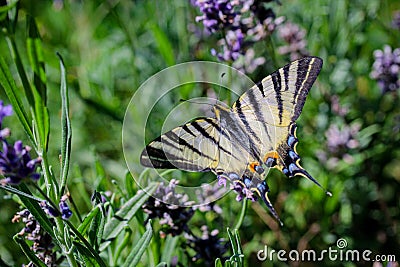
(137, 252)
(116, 225)
(12, 92)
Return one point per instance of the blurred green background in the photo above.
(111, 47)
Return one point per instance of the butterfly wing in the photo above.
(191, 147)
(269, 111)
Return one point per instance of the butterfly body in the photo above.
(258, 132)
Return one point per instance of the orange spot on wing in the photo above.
(271, 154)
(253, 165)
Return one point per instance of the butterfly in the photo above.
(240, 143)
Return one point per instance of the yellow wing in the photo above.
(269, 110)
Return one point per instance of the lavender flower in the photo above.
(4, 111)
(16, 163)
(217, 14)
(207, 196)
(337, 108)
(293, 35)
(66, 212)
(396, 20)
(386, 68)
(339, 141)
(208, 247)
(242, 23)
(42, 242)
(171, 208)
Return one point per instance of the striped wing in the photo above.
(191, 147)
(269, 111)
(198, 146)
(279, 98)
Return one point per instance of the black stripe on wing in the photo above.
(307, 71)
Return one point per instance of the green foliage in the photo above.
(69, 69)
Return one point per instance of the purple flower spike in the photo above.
(386, 69)
(66, 212)
(16, 163)
(4, 111)
(221, 181)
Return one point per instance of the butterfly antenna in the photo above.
(220, 87)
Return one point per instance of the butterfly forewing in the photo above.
(191, 147)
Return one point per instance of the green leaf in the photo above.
(84, 226)
(218, 262)
(8, 83)
(129, 184)
(117, 223)
(19, 193)
(170, 245)
(10, 5)
(137, 252)
(35, 55)
(86, 255)
(162, 264)
(28, 252)
(66, 131)
(237, 256)
(88, 247)
(163, 44)
(96, 229)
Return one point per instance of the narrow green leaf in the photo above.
(66, 133)
(41, 120)
(21, 71)
(163, 44)
(117, 223)
(137, 252)
(84, 226)
(19, 193)
(36, 210)
(162, 264)
(238, 243)
(170, 245)
(9, 6)
(28, 252)
(122, 245)
(85, 243)
(218, 262)
(95, 228)
(8, 83)
(129, 184)
(35, 55)
(232, 240)
(86, 255)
